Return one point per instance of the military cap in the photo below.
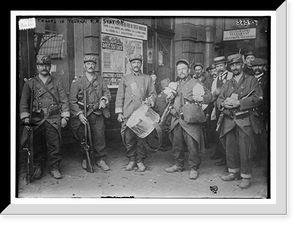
(198, 64)
(235, 58)
(258, 62)
(43, 59)
(136, 57)
(184, 61)
(220, 59)
(210, 67)
(90, 58)
(249, 53)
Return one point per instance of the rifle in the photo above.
(165, 114)
(29, 145)
(87, 135)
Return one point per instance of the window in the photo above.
(51, 44)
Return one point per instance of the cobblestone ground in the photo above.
(153, 183)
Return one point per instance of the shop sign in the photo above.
(124, 28)
(239, 34)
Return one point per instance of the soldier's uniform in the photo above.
(97, 90)
(236, 131)
(132, 90)
(182, 133)
(47, 112)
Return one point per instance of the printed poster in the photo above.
(116, 52)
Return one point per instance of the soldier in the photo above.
(50, 112)
(238, 97)
(182, 133)
(98, 98)
(134, 89)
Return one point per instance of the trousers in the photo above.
(237, 145)
(47, 146)
(135, 150)
(97, 133)
(180, 140)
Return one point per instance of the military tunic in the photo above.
(46, 117)
(96, 91)
(236, 133)
(182, 132)
(132, 91)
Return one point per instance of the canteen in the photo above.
(143, 120)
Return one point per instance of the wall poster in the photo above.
(116, 51)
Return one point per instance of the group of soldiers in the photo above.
(234, 102)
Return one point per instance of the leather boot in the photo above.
(245, 183)
(174, 169)
(38, 172)
(55, 173)
(141, 166)
(231, 177)
(193, 174)
(130, 166)
(83, 164)
(101, 164)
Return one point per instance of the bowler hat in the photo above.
(136, 57)
(43, 59)
(220, 59)
(184, 61)
(235, 58)
(258, 62)
(90, 58)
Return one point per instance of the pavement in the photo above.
(153, 183)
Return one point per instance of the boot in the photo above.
(193, 174)
(130, 166)
(38, 172)
(245, 183)
(174, 169)
(141, 166)
(101, 164)
(55, 173)
(231, 177)
(83, 164)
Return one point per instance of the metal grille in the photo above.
(52, 44)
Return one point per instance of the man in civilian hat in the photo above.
(223, 75)
(50, 112)
(183, 134)
(201, 75)
(248, 58)
(133, 90)
(260, 73)
(98, 98)
(238, 97)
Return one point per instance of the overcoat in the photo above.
(97, 90)
(243, 88)
(45, 107)
(185, 87)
